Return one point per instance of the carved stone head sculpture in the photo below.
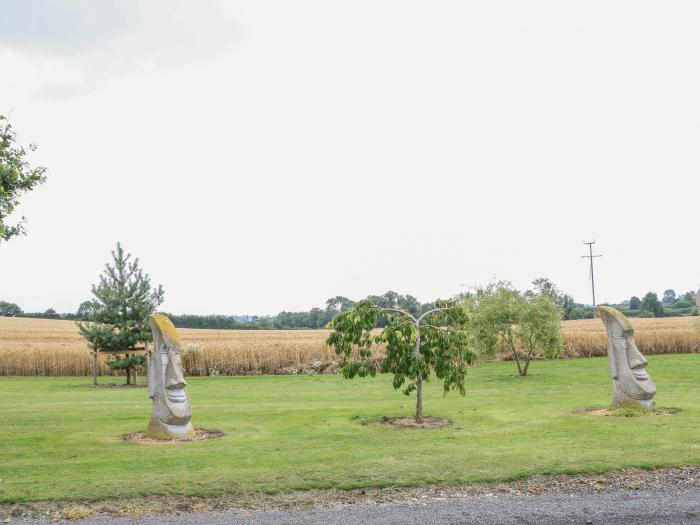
(632, 386)
(172, 411)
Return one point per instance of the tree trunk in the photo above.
(419, 381)
(527, 362)
(517, 362)
(515, 353)
(128, 373)
(419, 398)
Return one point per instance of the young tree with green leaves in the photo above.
(10, 310)
(122, 303)
(650, 303)
(16, 178)
(526, 325)
(83, 313)
(544, 286)
(669, 297)
(414, 346)
(690, 297)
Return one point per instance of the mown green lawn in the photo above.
(60, 438)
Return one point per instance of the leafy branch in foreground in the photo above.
(16, 178)
(414, 346)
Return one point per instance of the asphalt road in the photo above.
(672, 506)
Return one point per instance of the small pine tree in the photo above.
(118, 314)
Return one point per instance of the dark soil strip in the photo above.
(629, 479)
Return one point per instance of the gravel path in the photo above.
(670, 506)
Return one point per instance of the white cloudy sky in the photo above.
(266, 155)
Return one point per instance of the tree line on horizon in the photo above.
(314, 318)
(671, 304)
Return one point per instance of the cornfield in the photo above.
(43, 347)
(667, 335)
(40, 347)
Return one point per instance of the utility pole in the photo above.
(591, 256)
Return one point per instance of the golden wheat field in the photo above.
(55, 348)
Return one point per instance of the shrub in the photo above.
(499, 316)
(682, 303)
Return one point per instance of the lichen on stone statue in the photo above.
(172, 412)
(632, 386)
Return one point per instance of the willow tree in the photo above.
(412, 348)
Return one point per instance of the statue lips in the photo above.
(177, 395)
(640, 373)
(639, 386)
(177, 403)
(180, 409)
(634, 379)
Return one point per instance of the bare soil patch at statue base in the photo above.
(628, 412)
(410, 422)
(117, 385)
(201, 434)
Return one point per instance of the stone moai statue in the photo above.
(172, 412)
(632, 386)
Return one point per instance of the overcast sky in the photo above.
(259, 156)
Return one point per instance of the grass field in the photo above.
(46, 347)
(61, 438)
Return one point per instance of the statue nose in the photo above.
(635, 359)
(175, 377)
